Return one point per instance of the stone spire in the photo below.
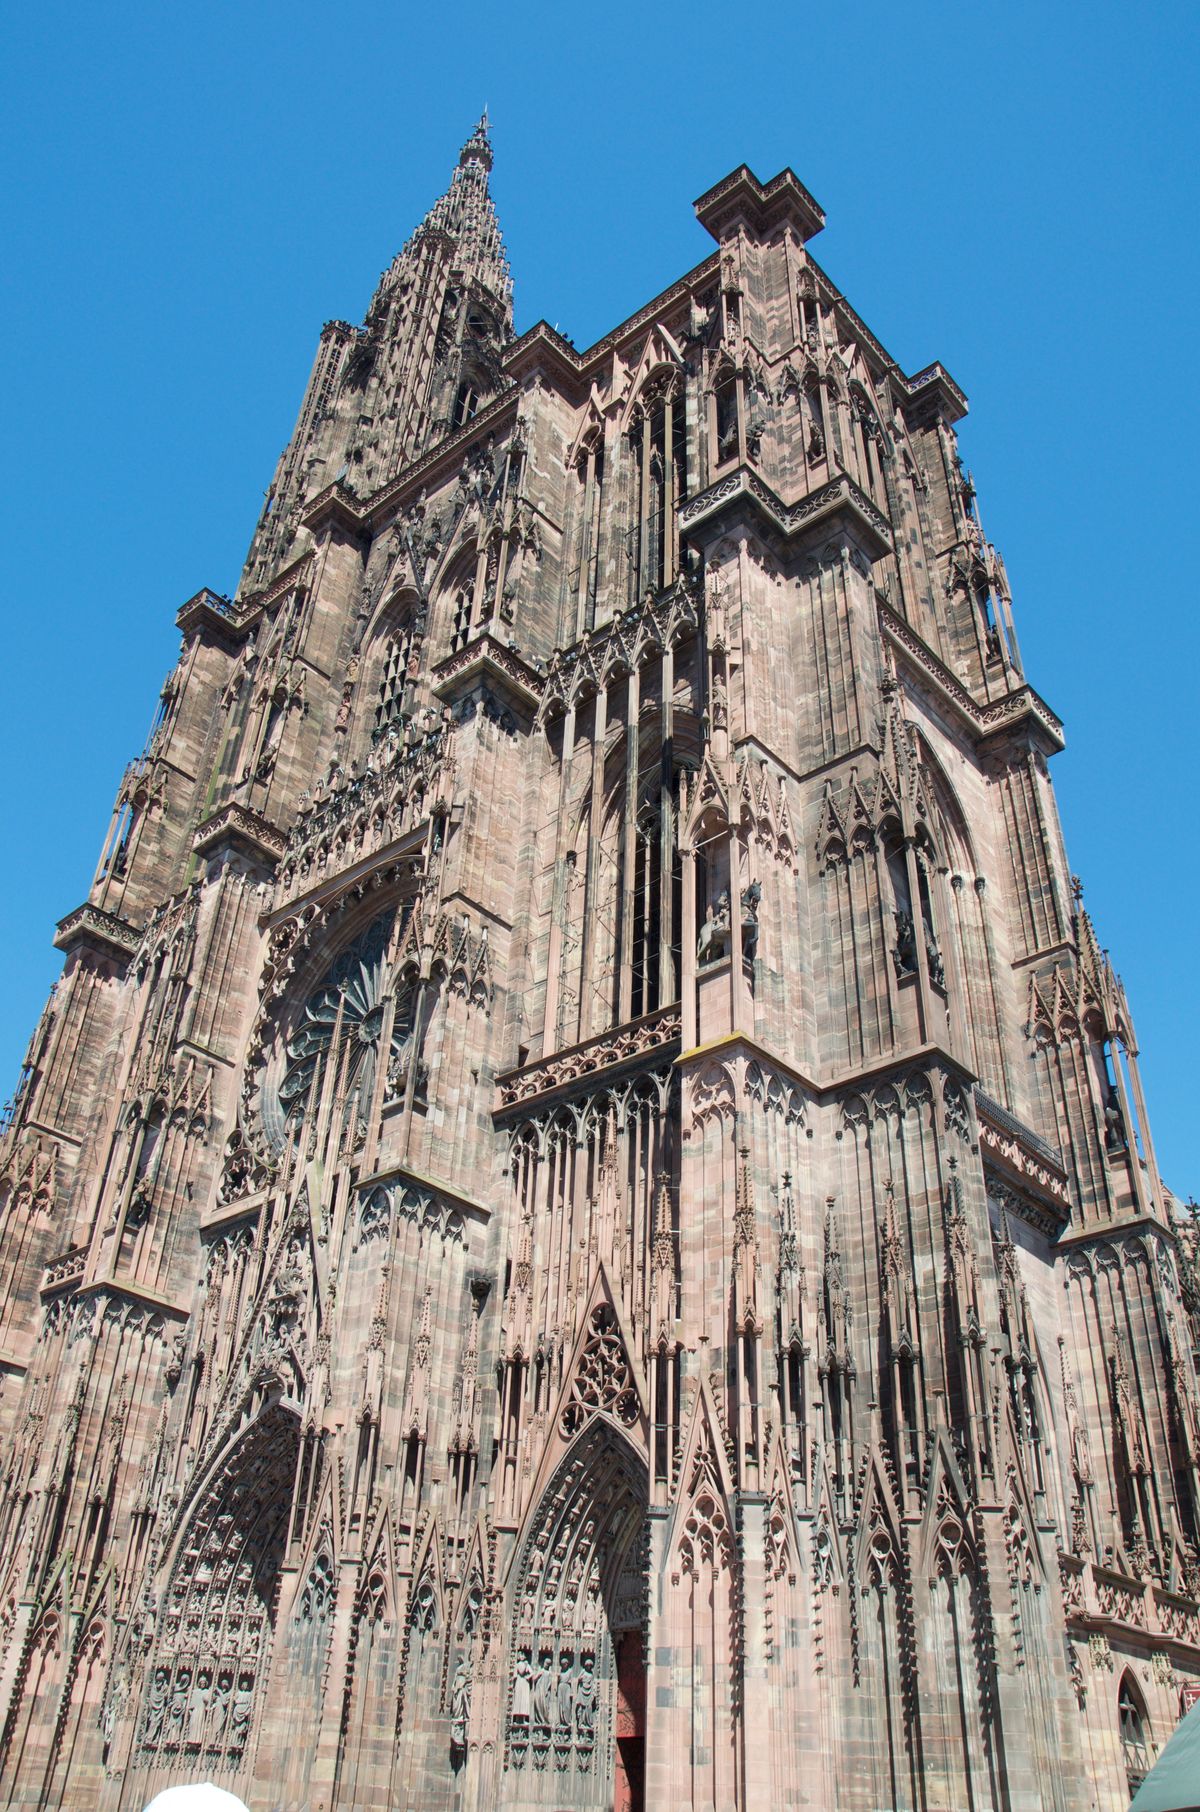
(467, 215)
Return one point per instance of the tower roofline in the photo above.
(740, 199)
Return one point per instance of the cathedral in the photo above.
(580, 1229)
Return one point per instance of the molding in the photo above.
(237, 827)
(490, 663)
(212, 614)
(631, 1046)
(404, 1173)
(375, 511)
(740, 199)
(982, 720)
(99, 930)
(840, 498)
(1018, 1158)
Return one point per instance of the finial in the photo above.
(478, 148)
(1077, 890)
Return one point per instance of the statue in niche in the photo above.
(222, 1693)
(522, 1699)
(564, 1692)
(750, 901)
(541, 1688)
(239, 1711)
(713, 941)
(905, 952)
(460, 1703)
(156, 1708)
(198, 1706)
(585, 1699)
(1114, 1123)
(177, 1710)
(933, 957)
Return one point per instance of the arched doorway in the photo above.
(205, 1679)
(575, 1717)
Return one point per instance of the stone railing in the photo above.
(595, 1060)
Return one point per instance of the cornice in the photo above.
(404, 1173)
(382, 503)
(100, 930)
(816, 512)
(240, 828)
(994, 718)
(210, 614)
(488, 662)
(1019, 1157)
(585, 365)
(740, 199)
(534, 1085)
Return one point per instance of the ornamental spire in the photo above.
(467, 214)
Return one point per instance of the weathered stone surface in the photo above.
(581, 1228)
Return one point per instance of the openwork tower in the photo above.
(580, 1229)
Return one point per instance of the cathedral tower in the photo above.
(581, 1227)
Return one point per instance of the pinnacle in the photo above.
(478, 148)
(466, 213)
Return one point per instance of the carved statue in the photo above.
(713, 941)
(541, 1690)
(905, 951)
(156, 1707)
(585, 1698)
(239, 1712)
(198, 1706)
(460, 1703)
(1114, 1123)
(750, 898)
(564, 1692)
(222, 1692)
(522, 1697)
(177, 1710)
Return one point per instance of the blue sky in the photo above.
(188, 193)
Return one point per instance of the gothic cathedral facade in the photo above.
(580, 1229)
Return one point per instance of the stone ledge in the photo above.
(490, 663)
(101, 930)
(603, 1058)
(819, 510)
(242, 829)
(983, 720)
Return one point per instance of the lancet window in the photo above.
(658, 439)
(393, 677)
(1135, 1733)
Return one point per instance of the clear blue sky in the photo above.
(189, 192)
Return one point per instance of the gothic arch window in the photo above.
(459, 593)
(1134, 1727)
(658, 443)
(394, 661)
(466, 403)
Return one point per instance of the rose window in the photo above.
(352, 991)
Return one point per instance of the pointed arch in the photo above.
(221, 1577)
(575, 1592)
